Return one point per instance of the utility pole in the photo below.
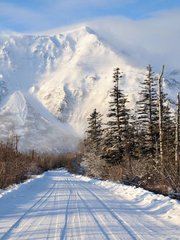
(161, 129)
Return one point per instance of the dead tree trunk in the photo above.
(16, 145)
(16, 155)
(32, 154)
(161, 129)
(177, 139)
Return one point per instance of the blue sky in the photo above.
(147, 30)
(42, 15)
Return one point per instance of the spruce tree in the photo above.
(93, 164)
(168, 123)
(147, 111)
(167, 143)
(117, 126)
(168, 126)
(95, 131)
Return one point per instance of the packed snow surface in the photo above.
(59, 205)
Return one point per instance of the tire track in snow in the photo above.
(69, 184)
(39, 222)
(97, 222)
(84, 201)
(63, 233)
(51, 221)
(104, 224)
(78, 216)
(57, 224)
(151, 233)
(88, 206)
(36, 206)
(119, 219)
(27, 221)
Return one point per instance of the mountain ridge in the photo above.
(64, 76)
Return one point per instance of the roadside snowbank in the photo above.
(164, 207)
(157, 204)
(16, 189)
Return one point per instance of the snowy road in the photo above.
(62, 206)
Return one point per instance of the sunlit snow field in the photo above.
(59, 205)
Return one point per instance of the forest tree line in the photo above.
(141, 147)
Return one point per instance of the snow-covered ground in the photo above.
(59, 205)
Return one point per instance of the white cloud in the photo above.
(154, 40)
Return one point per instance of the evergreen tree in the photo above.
(116, 132)
(93, 164)
(167, 143)
(168, 126)
(94, 132)
(168, 132)
(147, 111)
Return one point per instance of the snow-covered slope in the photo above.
(35, 131)
(65, 76)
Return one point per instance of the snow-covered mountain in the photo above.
(50, 84)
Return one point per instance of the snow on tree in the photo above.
(147, 111)
(117, 127)
(92, 162)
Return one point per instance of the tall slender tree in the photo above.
(147, 111)
(177, 137)
(161, 128)
(117, 126)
